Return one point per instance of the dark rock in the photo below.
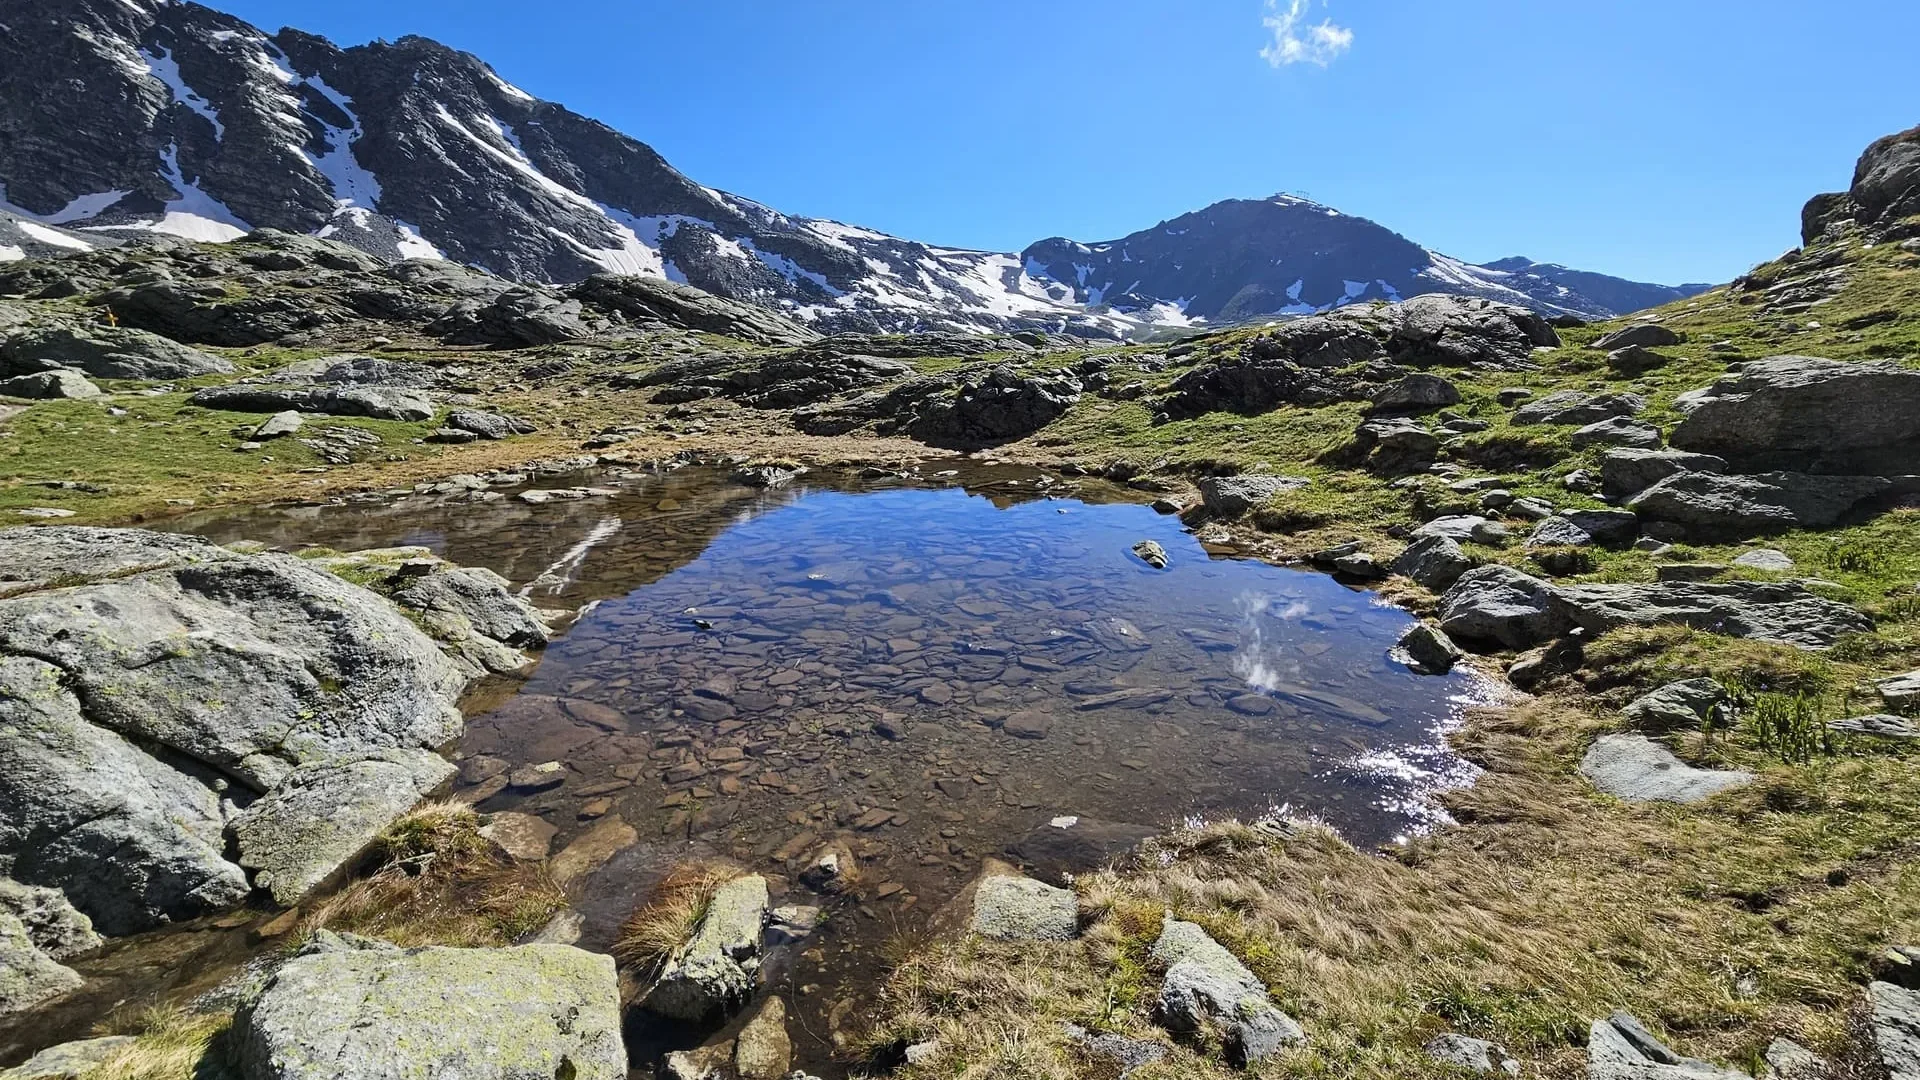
(1765, 611)
(1571, 408)
(1885, 191)
(1231, 496)
(1618, 431)
(655, 300)
(1642, 335)
(1634, 361)
(1427, 651)
(1806, 414)
(1714, 506)
(106, 352)
(1000, 406)
(371, 402)
(487, 425)
(1690, 705)
(1419, 392)
(1628, 472)
(1501, 606)
(63, 383)
(1069, 846)
(1435, 562)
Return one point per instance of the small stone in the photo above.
(1765, 559)
(1151, 553)
(1474, 1055)
(523, 836)
(541, 777)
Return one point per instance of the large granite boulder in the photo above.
(1627, 472)
(1207, 986)
(168, 701)
(522, 316)
(38, 930)
(1501, 606)
(1885, 192)
(1637, 769)
(1571, 408)
(56, 385)
(1434, 561)
(106, 352)
(716, 970)
(372, 402)
(1231, 496)
(349, 1007)
(1806, 414)
(1717, 507)
(1780, 612)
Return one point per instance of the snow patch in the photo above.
(352, 184)
(51, 238)
(195, 215)
(508, 88)
(415, 246)
(11, 254)
(162, 66)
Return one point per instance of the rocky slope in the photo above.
(197, 124)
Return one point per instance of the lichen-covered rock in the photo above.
(1807, 414)
(1473, 1055)
(1206, 985)
(106, 352)
(1231, 496)
(1434, 561)
(51, 922)
(1009, 907)
(1894, 1013)
(1502, 606)
(69, 1061)
(28, 976)
(1626, 471)
(1780, 612)
(322, 814)
(1715, 507)
(1618, 1048)
(714, 971)
(1637, 769)
(348, 1007)
(1686, 705)
(150, 679)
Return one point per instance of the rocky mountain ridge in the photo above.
(130, 117)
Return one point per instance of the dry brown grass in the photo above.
(173, 1044)
(441, 883)
(661, 927)
(1725, 926)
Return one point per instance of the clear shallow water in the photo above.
(936, 671)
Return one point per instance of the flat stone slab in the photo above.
(1879, 725)
(1637, 769)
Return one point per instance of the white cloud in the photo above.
(1296, 41)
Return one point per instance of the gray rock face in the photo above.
(517, 318)
(1618, 431)
(1427, 651)
(1395, 445)
(1895, 1016)
(106, 352)
(1206, 984)
(28, 976)
(1686, 705)
(1460, 527)
(1807, 414)
(1231, 496)
(1877, 725)
(278, 426)
(1571, 408)
(375, 403)
(715, 971)
(347, 1007)
(1900, 693)
(1643, 335)
(1126, 1055)
(1765, 611)
(1885, 191)
(1618, 1048)
(242, 672)
(55, 928)
(1435, 562)
(1501, 606)
(1637, 769)
(1769, 559)
(1418, 392)
(69, 1061)
(59, 384)
(1008, 907)
(1473, 1055)
(323, 813)
(1713, 506)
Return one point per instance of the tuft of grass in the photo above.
(172, 1043)
(661, 927)
(440, 882)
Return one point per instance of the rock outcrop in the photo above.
(1806, 414)
(105, 352)
(349, 1007)
(1618, 1048)
(1884, 196)
(1207, 986)
(169, 703)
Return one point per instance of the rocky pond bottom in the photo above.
(933, 669)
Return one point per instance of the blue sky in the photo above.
(1663, 140)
